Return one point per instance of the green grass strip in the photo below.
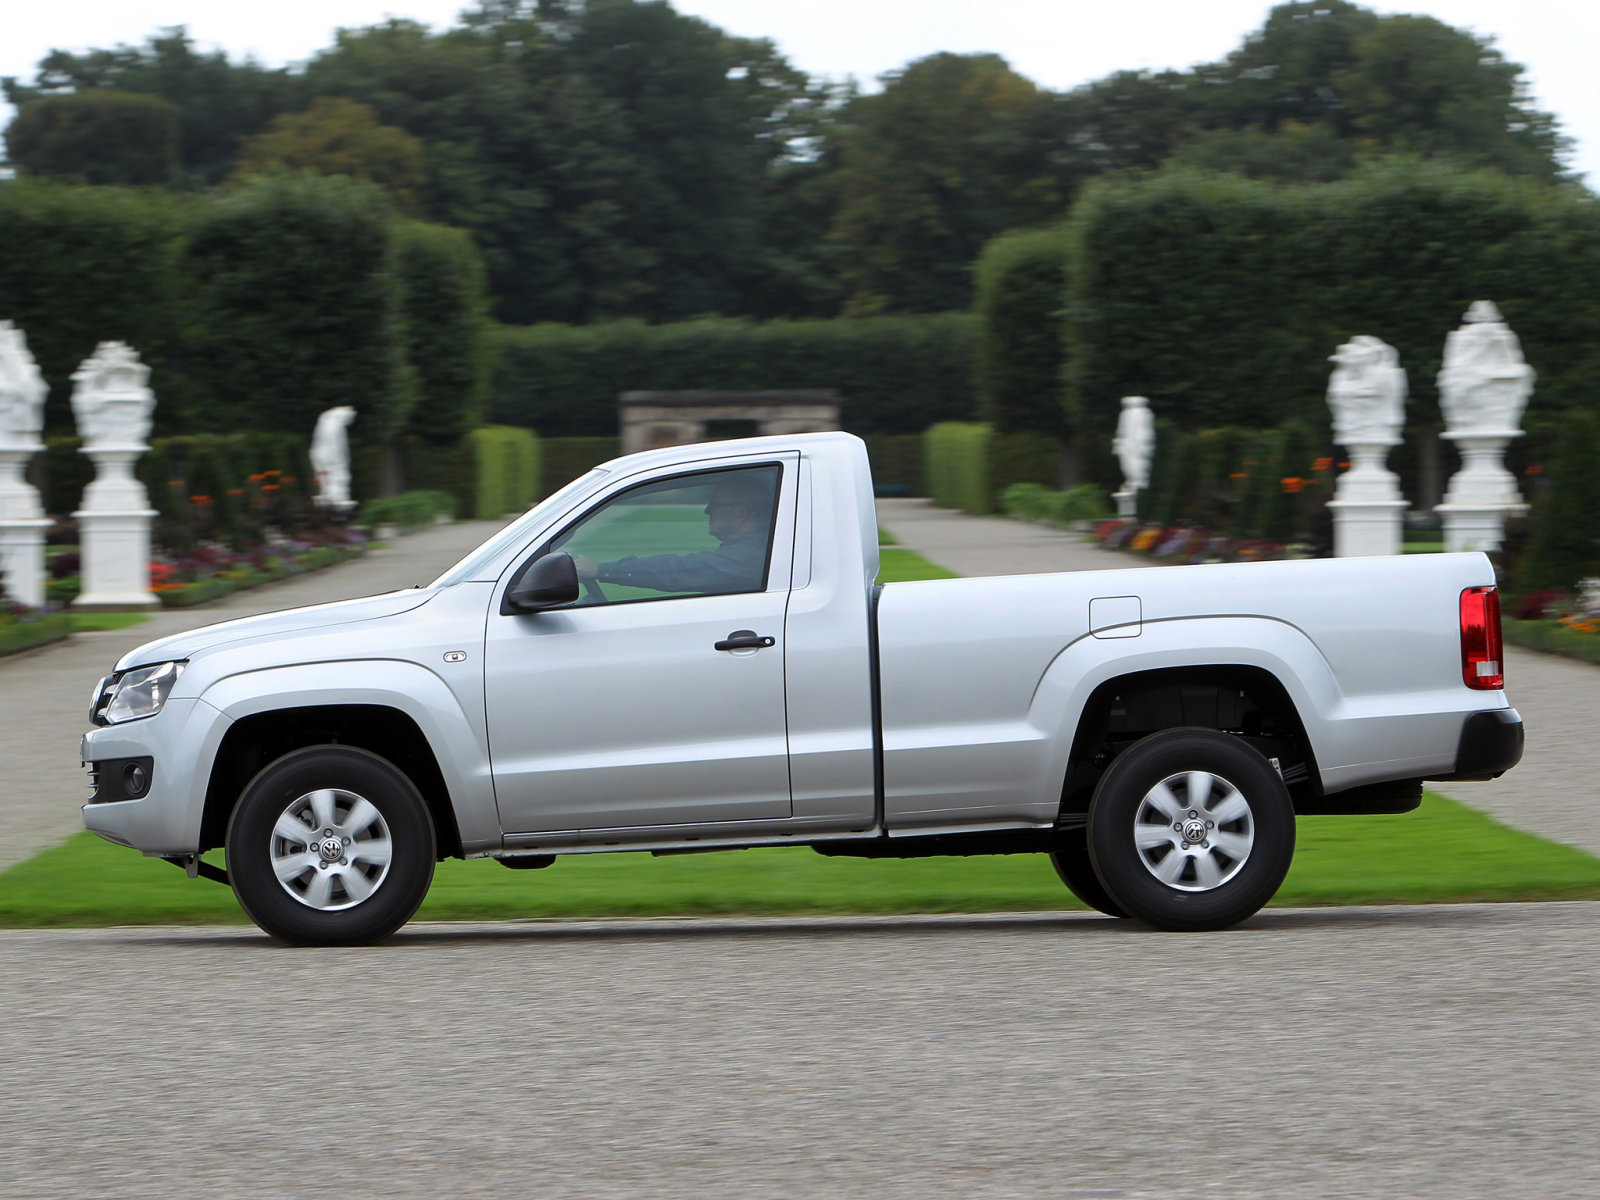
(1444, 852)
(99, 622)
(897, 565)
(1552, 639)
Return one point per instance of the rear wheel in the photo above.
(1071, 861)
(1191, 829)
(330, 846)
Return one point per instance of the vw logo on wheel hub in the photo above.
(331, 849)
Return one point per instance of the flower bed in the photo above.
(1184, 544)
(1557, 622)
(212, 572)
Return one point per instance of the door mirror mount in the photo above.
(547, 582)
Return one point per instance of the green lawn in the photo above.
(96, 622)
(1442, 852)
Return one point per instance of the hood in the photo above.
(289, 621)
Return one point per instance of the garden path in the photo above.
(1551, 792)
(44, 693)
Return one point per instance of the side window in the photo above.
(704, 534)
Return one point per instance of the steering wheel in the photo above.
(591, 589)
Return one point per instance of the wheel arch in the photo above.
(254, 741)
(1242, 699)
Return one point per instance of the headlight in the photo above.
(141, 693)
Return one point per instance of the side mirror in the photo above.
(549, 581)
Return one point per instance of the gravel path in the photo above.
(1448, 1052)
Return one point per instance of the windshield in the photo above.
(474, 564)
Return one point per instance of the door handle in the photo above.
(745, 639)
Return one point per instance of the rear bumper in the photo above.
(1491, 744)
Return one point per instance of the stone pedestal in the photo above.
(1482, 493)
(22, 526)
(1367, 507)
(1127, 503)
(114, 534)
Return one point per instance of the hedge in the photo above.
(296, 307)
(1221, 298)
(83, 265)
(445, 306)
(508, 470)
(1020, 280)
(1564, 541)
(564, 459)
(895, 374)
(967, 466)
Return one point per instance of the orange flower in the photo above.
(1535, 471)
(269, 487)
(1293, 484)
(1237, 475)
(1322, 464)
(1344, 466)
(255, 479)
(235, 491)
(200, 500)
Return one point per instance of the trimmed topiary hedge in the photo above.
(508, 470)
(1221, 298)
(895, 374)
(84, 265)
(1021, 281)
(967, 465)
(445, 305)
(296, 307)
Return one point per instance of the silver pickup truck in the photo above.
(686, 649)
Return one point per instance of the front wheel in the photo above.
(330, 846)
(1191, 829)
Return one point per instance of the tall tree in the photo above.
(944, 158)
(219, 102)
(338, 137)
(97, 137)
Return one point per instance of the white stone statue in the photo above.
(330, 458)
(1367, 393)
(22, 392)
(113, 406)
(1134, 442)
(1484, 386)
(22, 519)
(110, 399)
(1484, 383)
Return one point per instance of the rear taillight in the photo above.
(1480, 639)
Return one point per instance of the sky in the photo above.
(1059, 44)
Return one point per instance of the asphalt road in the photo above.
(1409, 1052)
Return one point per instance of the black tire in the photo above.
(365, 804)
(1072, 864)
(1233, 833)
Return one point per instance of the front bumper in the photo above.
(179, 744)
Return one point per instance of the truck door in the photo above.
(658, 698)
